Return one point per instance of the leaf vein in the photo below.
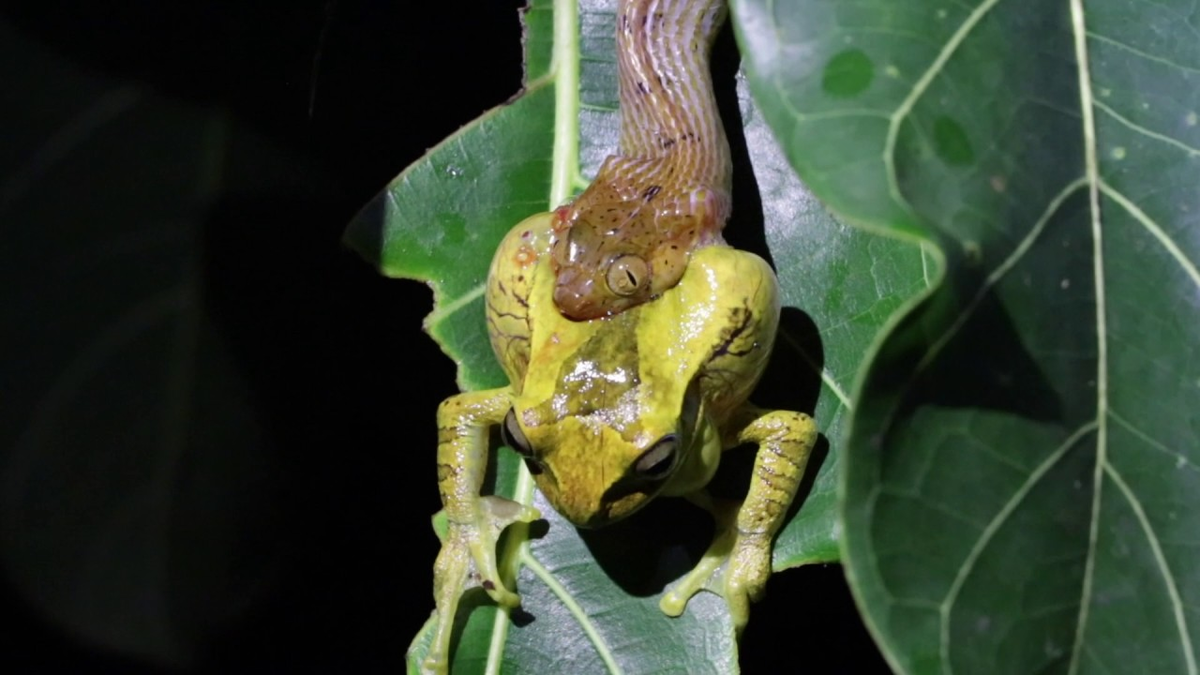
(906, 106)
(58, 145)
(992, 528)
(1177, 456)
(1000, 272)
(1146, 132)
(581, 616)
(1189, 654)
(826, 377)
(1096, 659)
(1141, 54)
(1153, 228)
(446, 310)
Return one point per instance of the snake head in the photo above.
(583, 292)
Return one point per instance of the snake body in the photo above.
(628, 236)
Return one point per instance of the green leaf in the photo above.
(1021, 486)
(440, 220)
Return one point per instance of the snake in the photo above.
(628, 236)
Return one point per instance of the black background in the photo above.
(355, 90)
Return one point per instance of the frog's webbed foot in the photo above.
(468, 560)
(736, 566)
(738, 563)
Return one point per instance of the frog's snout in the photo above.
(586, 505)
(607, 512)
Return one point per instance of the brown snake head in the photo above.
(627, 256)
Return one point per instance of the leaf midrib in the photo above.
(564, 168)
(1083, 66)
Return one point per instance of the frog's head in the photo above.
(597, 468)
(607, 423)
(609, 413)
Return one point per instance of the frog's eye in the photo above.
(513, 436)
(657, 462)
(515, 439)
(627, 275)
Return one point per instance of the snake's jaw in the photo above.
(584, 291)
(571, 294)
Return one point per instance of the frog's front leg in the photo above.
(468, 555)
(738, 562)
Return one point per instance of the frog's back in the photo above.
(518, 263)
(715, 328)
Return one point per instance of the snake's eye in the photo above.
(514, 438)
(627, 275)
(658, 462)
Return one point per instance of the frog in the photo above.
(611, 413)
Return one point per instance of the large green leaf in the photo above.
(440, 220)
(1022, 477)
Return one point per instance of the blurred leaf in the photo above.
(440, 221)
(1022, 480)
(130, 447)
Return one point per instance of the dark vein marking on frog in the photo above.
(767, 470)
(521, 300)
(745, 318)
(493, 312)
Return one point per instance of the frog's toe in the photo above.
(435, 665)
(746, 578)
(675, 600)
(487, 576)
(705, 576)
(497, 513)
(503, 597)
(501, 512)
(736, 566)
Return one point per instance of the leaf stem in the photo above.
(565, 68)
(564, 72)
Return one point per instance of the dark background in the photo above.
(321, 104)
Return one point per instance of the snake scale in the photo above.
(628, 236)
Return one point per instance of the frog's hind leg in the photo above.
(738, 562)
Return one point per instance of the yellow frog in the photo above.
(609, 413)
